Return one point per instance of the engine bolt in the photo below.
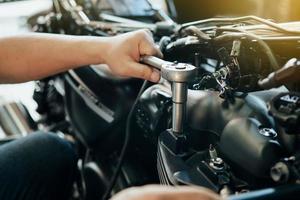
(280, 172)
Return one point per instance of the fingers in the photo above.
(128, 48)
(147, 45)
(145, 72)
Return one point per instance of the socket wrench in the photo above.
(179, 74)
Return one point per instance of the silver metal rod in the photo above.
(178, 117)
(153, 61)
(179, 97)
(179, 91)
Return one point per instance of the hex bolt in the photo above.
(280, 172)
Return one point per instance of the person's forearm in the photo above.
(34, 56)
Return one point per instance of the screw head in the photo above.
(180, 66)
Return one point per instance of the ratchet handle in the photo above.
(153, 61)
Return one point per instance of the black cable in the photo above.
(265, 47)
(125, 145)
(83, 193)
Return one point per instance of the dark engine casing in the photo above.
(247, 132)
(242, 142)
(97, 105)
(244, 133)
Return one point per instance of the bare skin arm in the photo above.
(34, 56)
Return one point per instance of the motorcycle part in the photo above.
(290, 191)
(125, 145)
(286, 110)
(289, 74)
(254, 149)
(99, 96)
(280, 172)
(15, 120)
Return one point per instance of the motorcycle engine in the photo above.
(242, 111)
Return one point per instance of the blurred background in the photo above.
(278, 10)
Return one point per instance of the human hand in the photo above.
(159, 192)
(124, 52)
